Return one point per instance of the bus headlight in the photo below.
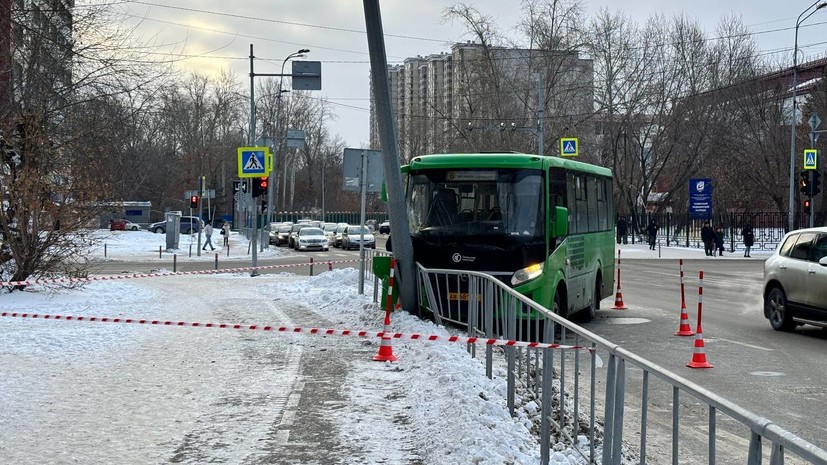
(526, 274)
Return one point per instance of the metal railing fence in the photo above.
(566, 385)
(678, 229)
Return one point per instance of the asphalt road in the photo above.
(781, 376)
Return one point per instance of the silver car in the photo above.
(795, 280)
(353, 234)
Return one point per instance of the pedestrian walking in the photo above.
(208, 235)
(225, 230)
(622, 230)
(719, 241)
(652, 231)
(749, 238)
(708, 237)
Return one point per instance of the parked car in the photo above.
(272, 232)
(385, 227)
(310, 238)
(353, 234)
(330, 232)
(294, 232)
(795, 280)
(117, 225)
(282, 235)
(130, 226)
(189, 225)
(337, 235)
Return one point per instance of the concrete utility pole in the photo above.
(541, 112)
(402, 246)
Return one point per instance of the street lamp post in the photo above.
(251, 141)
(271, 184)
(794, 118)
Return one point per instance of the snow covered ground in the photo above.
(87, 392)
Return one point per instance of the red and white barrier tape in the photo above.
(311, 331)
(156, 275)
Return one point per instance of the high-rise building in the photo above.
(439, 99)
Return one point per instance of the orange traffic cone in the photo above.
(619, 305)
(684, 329)
(699, 357)
(385, 350)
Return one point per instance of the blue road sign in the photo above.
(253, 162)
(811, 159)
(568, 146)
(700, 199)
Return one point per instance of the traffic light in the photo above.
(804, 182)
(816, 184)
(259, 186)
(194, 201)
(807, 205)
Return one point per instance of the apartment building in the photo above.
(440, 100)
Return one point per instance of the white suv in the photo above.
(189, 225)
(795, 280)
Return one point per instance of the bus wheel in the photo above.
(592, 309)
(557, 305)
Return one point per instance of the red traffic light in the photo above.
(194, 201)
(807, 204)
(260, 186)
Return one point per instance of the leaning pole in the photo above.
(400, 230)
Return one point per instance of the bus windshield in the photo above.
(495, 206)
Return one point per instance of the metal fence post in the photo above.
(608, 411)
(545, 409)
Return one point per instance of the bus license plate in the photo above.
(461, 296)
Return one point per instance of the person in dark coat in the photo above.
(622, 230)
(719, 241)
(708, 236)
(652, 231)
(749, 238)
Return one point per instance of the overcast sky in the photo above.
(333, 31)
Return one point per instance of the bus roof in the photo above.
(502, 160)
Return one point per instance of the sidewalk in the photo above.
(641, 250)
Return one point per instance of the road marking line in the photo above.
(741, 344)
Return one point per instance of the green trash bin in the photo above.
(382, 270)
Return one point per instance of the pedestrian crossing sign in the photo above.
(811, 159)
(568, 146)
(254, 162)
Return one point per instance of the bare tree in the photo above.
(53, 137)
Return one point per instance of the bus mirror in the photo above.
(383, 195)
(560, 222)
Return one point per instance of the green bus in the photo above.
(543, 225)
